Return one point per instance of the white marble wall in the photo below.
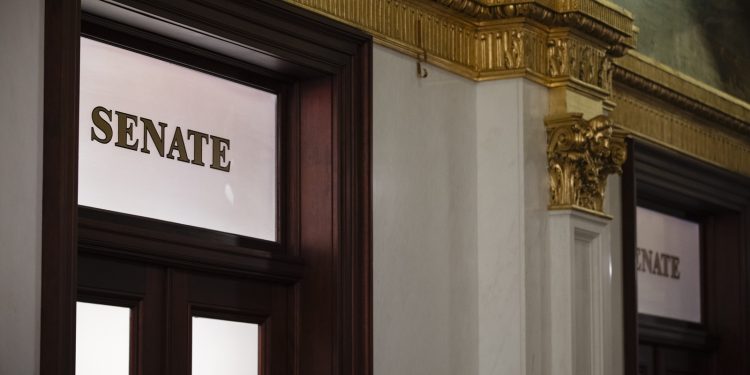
(615, 345)
(21, 75)
(459, 219)
(579, 318)
(511, 223)
(472, 273)
(583, 299)
(536, 198)
(424, 173)
(500, 140)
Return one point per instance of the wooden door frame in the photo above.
(701, 190)
(326, 56)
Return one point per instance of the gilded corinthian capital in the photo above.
(581, 154)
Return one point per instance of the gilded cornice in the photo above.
(645, 116)
(554, 43)
(569, 44)
(657, 103)
(658, 80)
(605, 21)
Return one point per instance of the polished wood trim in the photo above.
(169, 244)
(114, 281)
(317, 348)
(135, 306)
(59, 187)
(726, 297)
(181, 53)
(358, 216)
(98, 220)
(267, 33)
(674, 333)
(216, 296)
(695, 186)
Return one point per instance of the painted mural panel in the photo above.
(706, 39)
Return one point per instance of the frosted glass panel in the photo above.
(163, 141)
(668, 266)
(102, 339)
(222, 347)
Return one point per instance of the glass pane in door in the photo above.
(223, 347)
(102, 339)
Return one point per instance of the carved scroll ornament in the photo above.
(581, 154)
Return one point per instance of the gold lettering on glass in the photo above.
(127, 137)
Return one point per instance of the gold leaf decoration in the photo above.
(581, 155)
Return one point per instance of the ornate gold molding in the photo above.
(581, 155)
(568, 44)
(660, 81)
(674, 127)
(561, 42)
(605, 21)
(657, 103)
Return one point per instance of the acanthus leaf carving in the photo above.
(581, 155)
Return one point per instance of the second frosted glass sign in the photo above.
(668, 266)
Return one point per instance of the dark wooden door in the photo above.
(311, 289)
(720, 201)
(164, 300)
(666, 360)
(231, 298)
(140, 287)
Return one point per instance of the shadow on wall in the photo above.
(706, 39)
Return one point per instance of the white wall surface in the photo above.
(536, 185)
(424, 173)
(21, 39)
(613, 207)
(512, 198)
(500, 229)
(459, 218)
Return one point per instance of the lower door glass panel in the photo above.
(102, 339)
(224, 347)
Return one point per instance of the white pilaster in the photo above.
(579, 314)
